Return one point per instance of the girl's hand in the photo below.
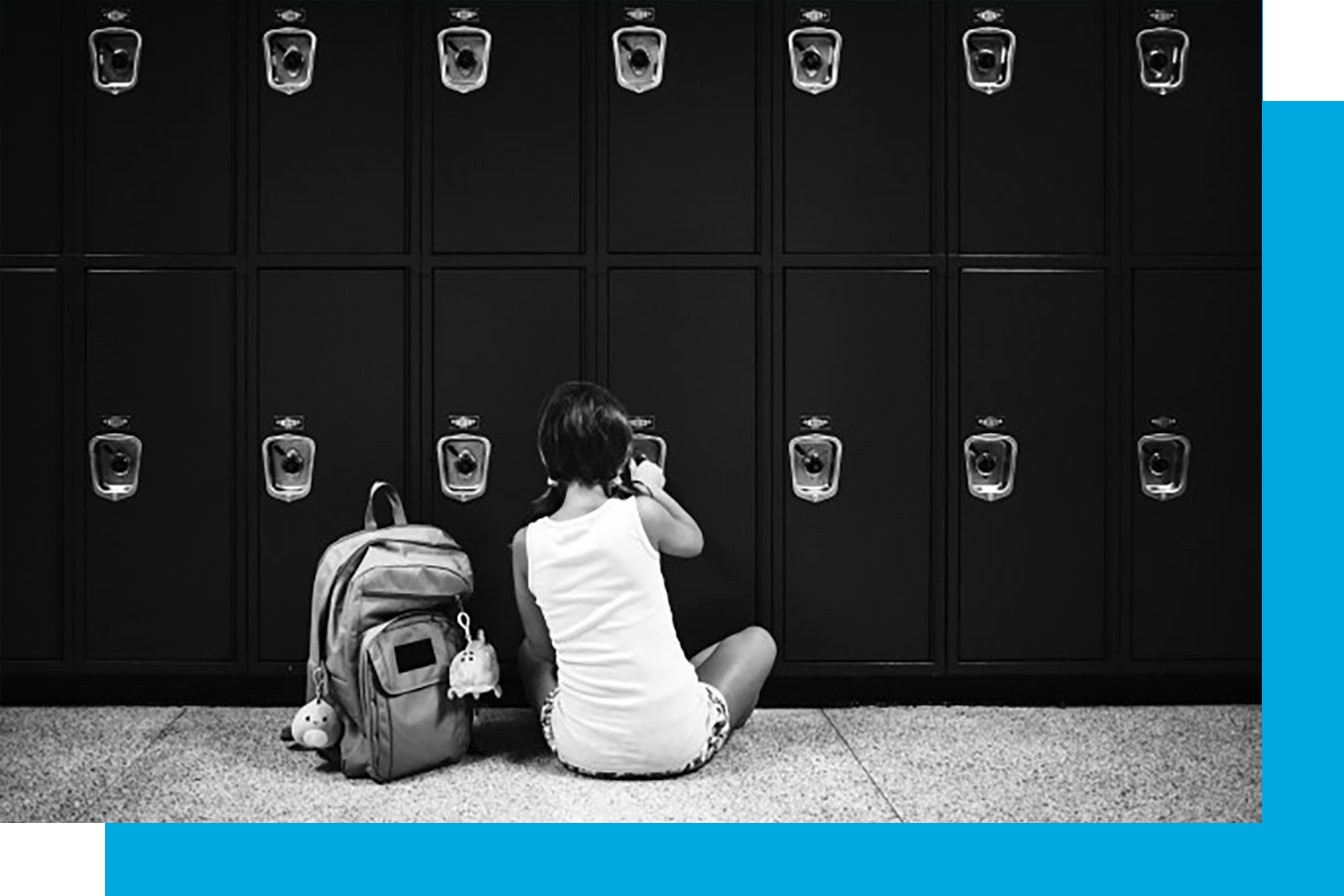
(647, 472)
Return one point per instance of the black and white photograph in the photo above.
(581, 411)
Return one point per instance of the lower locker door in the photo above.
(681, 349)
(1032, 563)
(333, 351)
(160, 564)
(502, 341)
(1196, 556)
(32, 577)
(856, 565)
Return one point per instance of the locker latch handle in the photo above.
(114, 465)
(288, 464)
(1164, 465)
(464, 465)
(991, 465)
(814, 466)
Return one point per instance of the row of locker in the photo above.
(1029, 576)
(684, 168)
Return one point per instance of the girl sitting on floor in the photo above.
(601, 662)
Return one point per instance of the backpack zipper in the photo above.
(423, 594)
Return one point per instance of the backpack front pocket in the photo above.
(411, 722)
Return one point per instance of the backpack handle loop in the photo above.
(398, 511)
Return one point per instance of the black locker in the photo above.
(32, 574)
(333, 156)
(1196, 556)
(857, 565)
(160, 565)
(681, 348)
(1196, 149)
(159, 158)
(333, 352)
(1031, 564)
(30, 166)
(502, 341)
(681, 158)
(507, 157)
(1032, 155)
(857, 160)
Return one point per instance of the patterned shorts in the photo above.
(719, 729)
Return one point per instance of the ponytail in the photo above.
(548, 502)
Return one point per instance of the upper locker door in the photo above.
(1195, 146)
(30, 105)
(1196, 535)
(159, 488)
(681, 156)
(333, 356)
(158, 157)
(1031, 482)
(507, 129)
(857, 174)
(1032, 132)
(502, 341)
(681, 349)
(332, 118)
(857, 562)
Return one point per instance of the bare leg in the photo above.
(738, 666)
(704, 654)
(538, 676)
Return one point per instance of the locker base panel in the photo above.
(863, 764)
(782, 690)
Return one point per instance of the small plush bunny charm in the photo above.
(475, 670)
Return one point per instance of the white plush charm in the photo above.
(475, 670)
(317, 725)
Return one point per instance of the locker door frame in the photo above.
(76, 265)
(64, 266)
(1110, 263)
(590, 258)
(1127, 17)
(776, 427)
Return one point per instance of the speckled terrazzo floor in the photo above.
(933, 763)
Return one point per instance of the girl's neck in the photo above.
(579, 499)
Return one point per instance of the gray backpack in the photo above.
(384, 630)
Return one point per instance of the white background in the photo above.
(1300, 40)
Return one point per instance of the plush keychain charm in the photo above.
(475, 670)
(317, 725)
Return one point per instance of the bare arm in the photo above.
(538, 636)
(670, 528)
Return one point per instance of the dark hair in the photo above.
(584, 435)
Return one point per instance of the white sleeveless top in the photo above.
(629, 700)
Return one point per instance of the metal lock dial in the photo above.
(464, 465)
(114, 465)
(814, 58)
(464, 57)
(640, 52)
(814, 466)
(991, 465)
(989, 54)
(114, 53)
(289, 55)
(1164, 461)
(287, 465)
